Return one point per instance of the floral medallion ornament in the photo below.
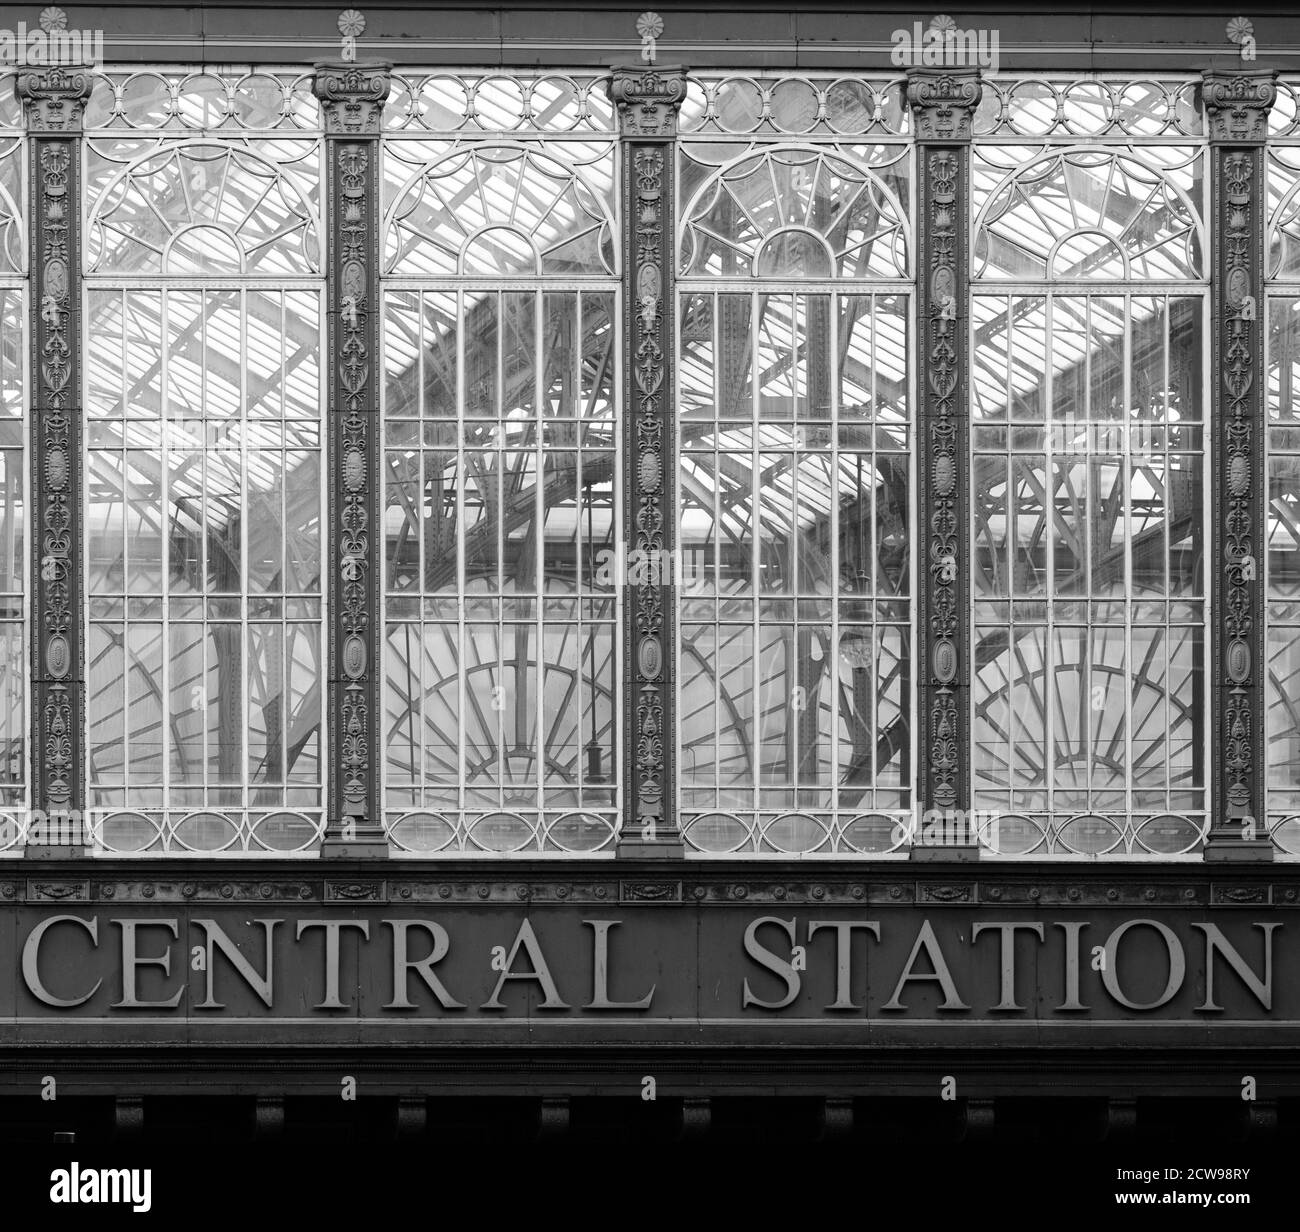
(1242, 32)
(650, 27)
(53, 18)
(351, 24)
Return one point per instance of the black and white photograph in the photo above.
(608, 610)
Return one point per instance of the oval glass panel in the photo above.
(794, 106)
(850, 106)
(738, 104)
(444, 104)
(10, 832)
(259, 101)
(146, 101)
(1170, 835)
(695, 108)
(501, 832)
(201, 101)
(1090, 835)
(1088, 108)
(553, 104)
(874, 833)
(1143, 107)
(796, 832)
(580, 832)
(205, 832)
(717, 832)
(422, 832)
(285, 832)
(1286, 834)
(100, 107)
(1031, 109)
(498, 103)
(401, 107)
(129, 832)
(1011, 835)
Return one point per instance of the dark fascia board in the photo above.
(1111, 37)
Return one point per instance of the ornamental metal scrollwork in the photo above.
(647, 106)
(54, 102)
(352, 103)
(1237, 108)
(942, 105)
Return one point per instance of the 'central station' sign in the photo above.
(736, 965)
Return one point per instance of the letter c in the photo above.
(32, 958)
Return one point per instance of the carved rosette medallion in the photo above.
(1237, 107)
(54, 101)
(648, 102)
(352, 101)
(942, 106)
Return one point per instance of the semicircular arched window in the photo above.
(794, 212)
(205, 208)
(1089, 213)
(498, 211)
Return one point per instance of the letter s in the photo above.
(765, 958)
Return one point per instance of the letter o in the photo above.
(1177, 965)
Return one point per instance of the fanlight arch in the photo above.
(493, 210)
(11, 214)
(1284, 236)
(202, 207)
(1089, 212)
(789, 211)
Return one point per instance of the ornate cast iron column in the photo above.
(352, 98)
(54, 101)
(1237, 106)
(942, 106)
(648, 101)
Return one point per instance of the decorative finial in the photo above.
(351, 23)
(649, 26)
(1241, 32)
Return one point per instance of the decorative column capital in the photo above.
(353, 97)
(53, 100)
(943, 102)
(1237, 105)
(648, 100)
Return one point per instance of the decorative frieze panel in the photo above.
(54, 101)
(1237, 106)
(352, 99)
(648, 103)
(942, 105)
